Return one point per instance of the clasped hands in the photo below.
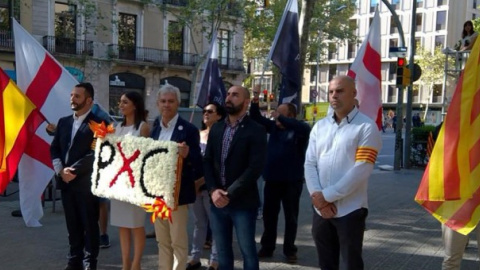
(327, 209)
(220, 198)
(67, 174)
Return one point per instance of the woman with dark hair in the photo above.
(468, 36)
(212, 113)
(129, 218)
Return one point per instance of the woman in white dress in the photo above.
(129, 218)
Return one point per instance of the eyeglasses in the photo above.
(208, 111)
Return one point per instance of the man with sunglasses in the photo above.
(283, 174)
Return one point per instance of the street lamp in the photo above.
(320, 32)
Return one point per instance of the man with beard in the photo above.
(341, 153)
(72, 158)
(233, 161)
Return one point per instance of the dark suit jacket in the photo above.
(243, 165)
(192, 165)
(80, 155)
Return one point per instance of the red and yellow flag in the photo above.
(19, 118)
(450, 187)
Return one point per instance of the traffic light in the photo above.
(403, 72)
(271, 97)
(265, 95)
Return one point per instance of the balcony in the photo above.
(151, 55)
(351, 54)
(231, 63)
(6, 39)
(181, 3)
(68, 45)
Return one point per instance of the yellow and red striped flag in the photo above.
(450, 187)
(19, 118)
(430, 144)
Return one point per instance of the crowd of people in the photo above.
(222, 164)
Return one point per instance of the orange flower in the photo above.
(100, 130)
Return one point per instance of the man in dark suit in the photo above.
(172, 237)
(72, 158)
(233, 161)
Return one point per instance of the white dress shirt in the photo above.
(340, 159)
(167, 131)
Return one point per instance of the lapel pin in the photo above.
(180, 127)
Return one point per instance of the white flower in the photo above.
(153, 171)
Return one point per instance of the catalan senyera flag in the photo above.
(450, 187)
(366, 70)
(19, 118)
(430, 144)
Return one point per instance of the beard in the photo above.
(233, 110)
(78, 106)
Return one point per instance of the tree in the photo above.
(433, 65)
(319, 22)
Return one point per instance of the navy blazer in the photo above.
(243, 165)
(192, 164)
(80, 154)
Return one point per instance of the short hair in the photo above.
(168, 88)
(88, 88)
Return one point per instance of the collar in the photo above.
(350, 116)
(82, 117)
(171, 123)
(239, 120)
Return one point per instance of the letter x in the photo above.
(126, 166)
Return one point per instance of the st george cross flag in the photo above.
(48, 85)
(212, 88)
(19, 118)
(450, 187)
(285, 54)
(366, 70)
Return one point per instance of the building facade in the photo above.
(438, 23)
(125, 45)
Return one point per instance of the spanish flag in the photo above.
(19, 118)
(450, 187)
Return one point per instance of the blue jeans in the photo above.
(222, 221)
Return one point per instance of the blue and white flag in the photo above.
(212, 88)
(285, 54)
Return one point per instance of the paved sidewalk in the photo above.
(400, 234)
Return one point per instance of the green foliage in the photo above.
(432, 64)
(421, 133)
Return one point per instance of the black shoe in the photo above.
(104, 241)
(16, 213)
(291, 258)
(150, 235)
(193, 266)
(262, 253)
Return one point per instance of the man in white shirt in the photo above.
(340, 157)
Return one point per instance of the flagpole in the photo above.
(275, 40)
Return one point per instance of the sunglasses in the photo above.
(208, 111)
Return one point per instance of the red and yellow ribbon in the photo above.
(158, 209)
(100, 130)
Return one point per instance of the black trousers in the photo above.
(340, 236)
(286, 194)
(81, 214)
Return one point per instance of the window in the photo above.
(65, 28)
(351, 50)
(223, 47)
(441, 2)
(392, 94)
(393, 26)
(419, 21)
(440, 41)
(332, 51)
(416, 93)
(441, 20)
(474, 4)
(394, 42)
(418, 42)
(332, 71)
(373, 4)
(353, 24)
(313, 73)
(127, 36)
(175, 43)
(6, 39)
(437, 93)
(392, 71)
(419, 3)
(395, 4)
(474, 16)
(266, 83)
